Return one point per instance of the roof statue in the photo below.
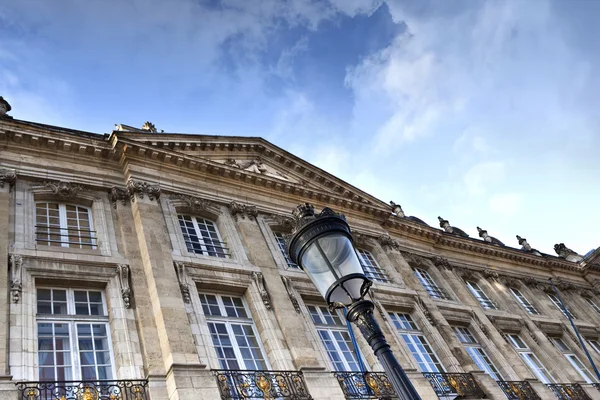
(566, 253)
(149, 126)
(490, 239)
(445, 225)
(397, 210)
(527, 247)
(4, 107)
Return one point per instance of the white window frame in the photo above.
(483, 299)
(430, 286)
(416, 342)
(72, 320)
(573, 359)
(223, 250)
(556, 301)
(228, 322)
(595, 344)
(281, 245)
(522, 300)
(592, 304)
(64, 228)
(531, 360)
(370, 266)
(331, 329)
(477, 353)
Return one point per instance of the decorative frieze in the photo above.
(117, 194)
(243, 210)
(183, 285)
(64, 189)
(386, 241)
(259, 279)
(291, 291)
(16, 277)
(123, 274)
(139, 189)
(490, 274)
(442, 263)
(8, 176)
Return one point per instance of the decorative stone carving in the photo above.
(529, 281)
(255, 166)
(64, 189)
(509, 281)
(386, 241)
(445, 225)
(259, 279)
(283, 221)
(123, 274)
(291, 291)
(442, 262)
(149, 126)
(545, 287)
(480, 324)
(183, 285)
(16, 277)
(526, 247)
(243, 210)
(197, 203)
(4, 108)
(425, 310)
(118, 194)
(490, 274)
(566, 253)
(139, 188)
(529, 332)
(378, 305)
(7, 175)
(564, 285)
(397, 210)
(467, 274)
(360, 239)
(490, 239)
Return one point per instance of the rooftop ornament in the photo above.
(4, 108)
(527, 247)
(445, 225)
(397, 211)
(490, 239)
(566, 253)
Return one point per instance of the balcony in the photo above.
(518, 390)
(569, 391)
(369, 385)
(81, 390)
(238, 384)
(454, 385)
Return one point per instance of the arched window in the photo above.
(64, 225)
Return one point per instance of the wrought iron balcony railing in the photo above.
(83, 390)
(569, 391)
(238, 384)
(447, 383)
(518, 390)
(366, 385)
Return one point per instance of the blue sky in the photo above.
(482, 112)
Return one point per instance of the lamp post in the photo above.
(322, 246)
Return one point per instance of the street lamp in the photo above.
(322, 246)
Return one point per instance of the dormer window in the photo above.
(202, 237)
(64, 225)
(372, 269)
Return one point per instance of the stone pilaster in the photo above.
(5, 206)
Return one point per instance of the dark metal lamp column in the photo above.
(322, 246)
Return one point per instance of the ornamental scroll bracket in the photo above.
(123, 274)
(8, 176)
(425, 310)
(259, 279)
(291, 291)
(183, 285)
(16, 277)
(442, 263)
(243, 210)
(378, 305)
(387, 242)
(283, 221)
(139, 189)
(117, 194)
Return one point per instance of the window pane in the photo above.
(370, 267)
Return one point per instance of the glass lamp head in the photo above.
(322, 246)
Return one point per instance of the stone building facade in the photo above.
(155, 261)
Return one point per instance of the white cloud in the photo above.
(506, 204)
(482, 177)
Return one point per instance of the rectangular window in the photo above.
(334, 335)
(481, 297)
(202, 237)
(429, 284)
(595, 345)
(592, 304)
(372, 269)
(476, 352)
(281, 243)
(64, 225)
(573, 359)
(556, 301)
(233, 333)
(534, 364)
(73, 335)
(523, 301)
(416, 343)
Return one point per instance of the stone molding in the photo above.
(243, 210)
(442, 263)
(387, 242)
(197, 204)
(8, 176)
(117, 194)
(283, 221)
(378, 305)
(361, 239)
(183, 285)
(425, 310)
(64, 189)
(123, 274)
(139, 188)
(259, 279)
(291, 291)
(16, 276)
